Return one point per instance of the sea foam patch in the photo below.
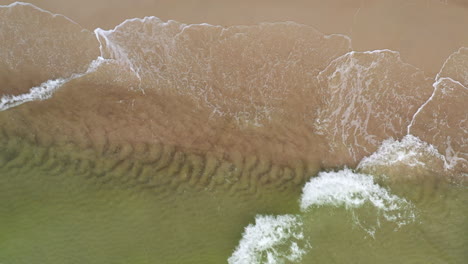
(353, 190)
(410, 151)
(272, 239)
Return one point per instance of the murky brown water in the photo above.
(150, 140)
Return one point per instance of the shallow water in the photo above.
(171, 142)
(59, 216)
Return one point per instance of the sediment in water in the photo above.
(168, 103)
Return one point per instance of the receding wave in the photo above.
(38, 46)
(368, 97)
(442, 120)
(243, 72)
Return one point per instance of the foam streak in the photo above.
(45, 90)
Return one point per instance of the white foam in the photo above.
(41, 92)
(352, 190)
(46, 89)
(272, 239)
(410, 151)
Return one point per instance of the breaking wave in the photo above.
(351, 190)
(279, 239)
(272, 239)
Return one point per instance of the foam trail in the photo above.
(117, 52)
(448, 64)
(38, 93)
(273, 239)
(438, 79)
(41, 10)
(46, 89)
(435, 85)
(408, 128)
(348, 38)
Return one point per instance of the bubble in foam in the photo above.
(353, 190)
(272, 239)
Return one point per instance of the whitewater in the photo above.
(164, 142)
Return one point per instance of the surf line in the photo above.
(46, 89)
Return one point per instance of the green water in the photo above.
(52, 214)
(438, 234)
